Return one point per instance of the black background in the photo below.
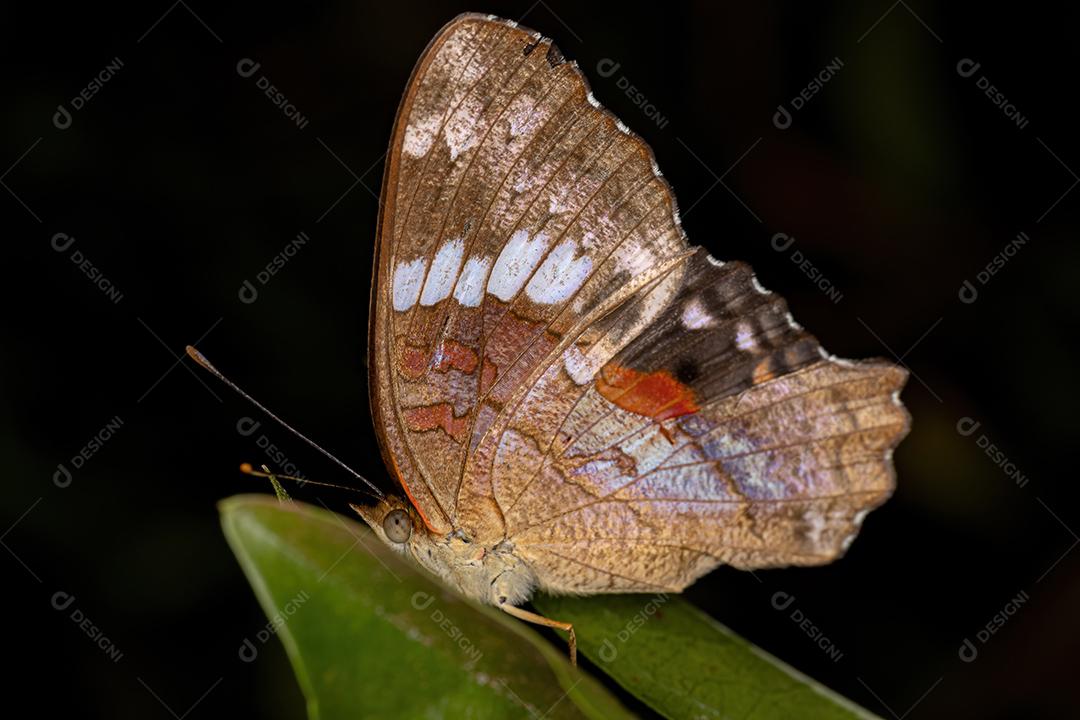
(179, 180)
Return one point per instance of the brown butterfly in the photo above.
(573, 398)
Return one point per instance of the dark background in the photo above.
(179, 180)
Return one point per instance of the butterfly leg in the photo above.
(532, 617)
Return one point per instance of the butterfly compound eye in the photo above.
(397, 526)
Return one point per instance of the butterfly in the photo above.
(572, 397)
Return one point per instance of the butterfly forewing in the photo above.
(507, 194)
(553, 364)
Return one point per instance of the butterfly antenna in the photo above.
(208, 366)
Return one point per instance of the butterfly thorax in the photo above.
(488, 572)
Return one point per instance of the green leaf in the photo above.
(684, 664)
(371, 635)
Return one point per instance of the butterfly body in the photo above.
(571, 396)
(489, 572)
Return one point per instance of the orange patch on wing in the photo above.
(457, 356)
(439, 416)
(657, 394)
(414, 362)
(452, 355)
(763, 371)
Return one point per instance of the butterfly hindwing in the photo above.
(719, 433)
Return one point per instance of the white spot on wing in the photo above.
(522, 115)
(578, 366)
(635, 260)
(460, 131)
(560, 276)
(555, 205)
(744, 337)
(816, 521)
(439, 356)
(696, 317)
(470, 286)
(407, 279)
(857, 521)
(825, 355)
(419, 135)
(515, 264)
(444, 270)
(758, 286)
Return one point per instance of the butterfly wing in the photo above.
(515, 212)
(721, 433)
(554, 364)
